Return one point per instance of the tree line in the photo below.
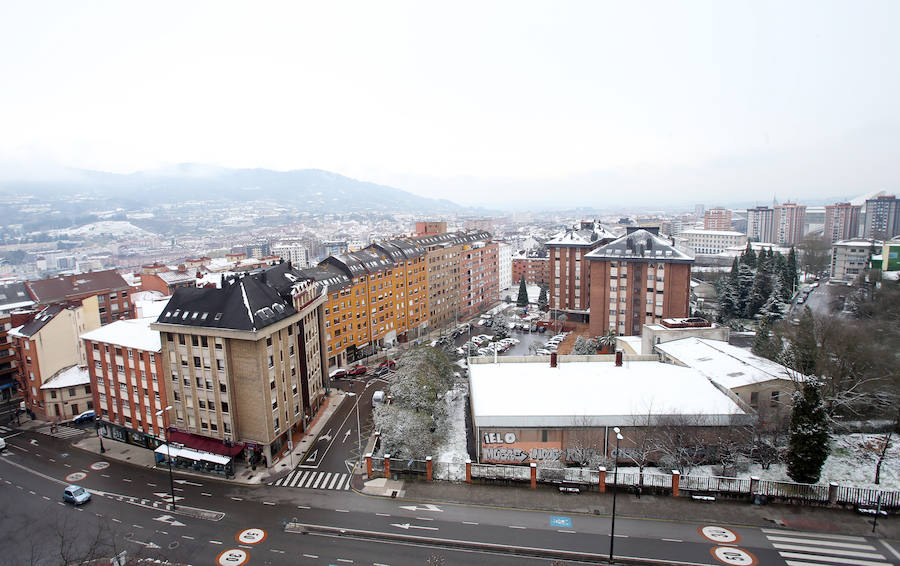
(758, 285)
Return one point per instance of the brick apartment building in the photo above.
(13, 297)
(761, 224)
(571, 276)
(717, 219)
(640, 278)
(125, 365)
(479, 278)
(535, 270)
(244, 364)
(47, 342)
(882, 217)
(841, 221)
(789, 221)
(109, 287)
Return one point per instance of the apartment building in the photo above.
(244, 364)
(718, 219)
(571, 278)
(850, 258)
(294, 252)
(882, 217)
(841, 221)
(109, 287)
(479, 278)
(640, 278)
(410, 286)
(13, 297)
(761, 224)
(47, 341)
(124, 365)
(789, 221)
(504, 265)
(535, 270)
(711, 242)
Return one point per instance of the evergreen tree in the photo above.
(808, 448)
(748, 257)
(744, 285)
(784, 281)
(761, 288)
(803, 350)
(542, 298)
(792, 277)
(522, 300)
(584, 346)
(765, 344)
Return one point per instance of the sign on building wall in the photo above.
(505, 447)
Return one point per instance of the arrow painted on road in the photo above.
(313, 456)
(163, 495)
(346, 436)
(169, 520)
(150, 544)
(427, 507)
(326, 436)
(407, 526)
(185, 482)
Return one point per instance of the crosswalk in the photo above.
(4, 430)
(823, 549)
(314, 480)
(62, 431)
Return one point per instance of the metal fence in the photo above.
(501, 472)
(715, 484)
(868, 497)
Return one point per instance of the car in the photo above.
(76, 495)
(392, 364)
(377, 398)
(338, 373)
(85, 417)
(543, 352)
(542, 329)
(381, 370)
(358, 370)
(2, 443)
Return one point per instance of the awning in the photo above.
(7, 385)
(203, 443)
(191, 454)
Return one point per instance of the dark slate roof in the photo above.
(14, 295)
(63, 287)
(409, 249)
(452, 238)
(373, 261)
(330, 276)
(641, 245)
(29, 329)
(248, 302)
(585, 234)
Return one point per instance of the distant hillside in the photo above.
(311, 189)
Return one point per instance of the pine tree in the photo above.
(542, 298)
(792, 277)
(744, 285)
(522, 300)
(584, 346)
(808, 448)
(803, 350)
(761, 288)
(748, 257)
(764, 343)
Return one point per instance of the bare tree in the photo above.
(680, 443)
(586, 443)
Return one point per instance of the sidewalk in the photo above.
(124, 452)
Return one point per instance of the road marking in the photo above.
(517, 527)
(45, 497)
(334, 481)
(116, 520)
(105, 475)
(188, 537)
(276, 550)
(313, 556)
(31, 492)
(129, 480)
(469, 523)
(237, 499)
(823, 543)
(407, 526)
(559, 521)
(817, 535)
(428, 507)
(719, 535)
(303, 507)
(251, 536)
(379, 564)
(565, 531)
(424, 519)
(151, 484)
(170, 520)
(186, 482)
(342, 510)
(889, 547)
(206, 494)
(268, 503)
(177, 489)
(814, 549)
(383, 514)
(345, 560)
(621, 536)
(672, 540)
(215, 542)
(137, 526)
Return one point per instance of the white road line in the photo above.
(245, 546)
(215, 542)
(126, 479)
(426, 519)
(383, 514)
(188, 537)
(136, 526)
(816, 535)
(517, 527)
(105, 475)
(345, 560)
(116, 520)
(621, 536)
(565, 531)
(299, 479)
(268, 503)
(237, 499)
(45, 497)
(469, 523)
(823, 543)
(342, 510)
(815, 549)
(151, 484)
(891, 548)
(334, 481)
(31, 492)
(179, 489)
(379, 564)
(303, 507)
(276, 550)
(288, 479)
(320, 480)
(835, 559)
(672, 540)
(308, 481)
(204, 494)
(313, 556)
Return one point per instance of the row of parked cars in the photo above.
(483, 345)
(552, 344)
(362, 369)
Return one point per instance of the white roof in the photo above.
(131, 333)
(69, 377)
(712, 232)
(534, 394)
(727, 365)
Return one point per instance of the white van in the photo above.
(377, 398)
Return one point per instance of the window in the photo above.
(53, 394)
(71, 392)
(87, 389)
(754, 398)
(775, 397)
(224, 407)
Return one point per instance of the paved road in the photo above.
(130, 511)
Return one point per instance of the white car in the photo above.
(543, 352)
(551, 347)
(2, 443)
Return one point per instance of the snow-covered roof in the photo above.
(586, 234)
(727, 365)
(129, 333)
(534, 394)
(69, 377)
(712, 232)
(641, 245)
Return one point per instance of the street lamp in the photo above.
(612, 527)
(159, 413)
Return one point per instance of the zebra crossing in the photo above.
(62, 431)
(818, 549)
(314, 480)
(5, 430)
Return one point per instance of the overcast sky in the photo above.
(583, 103)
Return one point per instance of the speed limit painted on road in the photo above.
(233, 557)
(733, 556)
(76, 476)
(719, 535)
(99, 465)
(251, 536)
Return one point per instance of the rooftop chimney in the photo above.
(618, 358)
(553, 359)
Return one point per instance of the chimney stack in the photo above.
(618, 358)
(553, 359)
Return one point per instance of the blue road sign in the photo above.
(560, 522)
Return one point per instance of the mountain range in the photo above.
(314, 190)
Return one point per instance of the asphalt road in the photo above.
(222, 523)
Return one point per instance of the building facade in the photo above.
(13, 297)
(570, 274)
(294, 252)
(479, 278)
(535, 270)
(711, 242)
(67, 393)
(789, 221)
(850, 258)
(717, 219)
(109, 287)
(761, 224)
(882, 217)
(841, 222)
(504, 265)
(640, 278)
(244, 364)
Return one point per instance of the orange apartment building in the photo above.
(480, 278)
(535, 270)
(571, 276)
(125, 366)
(640, 278)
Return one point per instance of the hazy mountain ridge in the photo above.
(317, 190)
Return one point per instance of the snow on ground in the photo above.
(107, 227)
(454, 448)
(534, 293)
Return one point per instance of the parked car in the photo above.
(542, 329)
(85, 417)
(388, 364)
(381, 370)
(76, 495)
(2, 443)
(543, 352)
(358, 370)
(338, 373)
(378, 398)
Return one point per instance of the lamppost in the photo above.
(100, 436)
(612, 527)
(160, 413)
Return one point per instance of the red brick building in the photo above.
(535, 270)
(640, 278)
(571, 283)
(717, 219)
(109, 287)
(479, 278)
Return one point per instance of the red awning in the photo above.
(203, 443)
